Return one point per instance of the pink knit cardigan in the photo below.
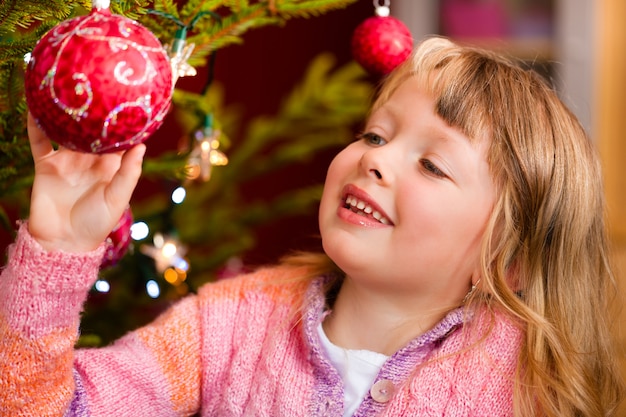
(245, 346)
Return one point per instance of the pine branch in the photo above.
(306, 8)
(133, 9)
(307, 108)
(191, 9)
(167, 6)
(15, 162)
(228, 32)
(238, 5)
(15, 50)
(11, 86)
(4, 219)
(22, 14)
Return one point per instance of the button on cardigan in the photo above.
(245, 346)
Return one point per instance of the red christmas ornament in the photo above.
(381, 42)
(118, 241)
(99, 83)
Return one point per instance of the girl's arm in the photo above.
(76, 201)
(41, 296)
(152, 371)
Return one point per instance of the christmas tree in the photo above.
(219, 220)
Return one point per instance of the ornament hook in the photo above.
(381, 7)
(100, 4)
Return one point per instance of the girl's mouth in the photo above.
(362, 208)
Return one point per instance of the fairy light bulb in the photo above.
(178, 195)
(153, 289)
(166, 251)
(139, 231)
(102, 286)
(205, 153)
(169, 249)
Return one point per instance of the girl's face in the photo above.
(405, 206)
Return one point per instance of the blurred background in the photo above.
(285, 100)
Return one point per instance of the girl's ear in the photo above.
(512, 277)
(476, 276)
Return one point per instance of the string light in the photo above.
(205, 153)
(139, 231)
(166, 251)
(175, 276)
(102, 286)
(178, 195)
(153, 289)
(180, 52)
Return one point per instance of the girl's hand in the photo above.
(78, 198)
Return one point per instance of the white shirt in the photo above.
(358, 370)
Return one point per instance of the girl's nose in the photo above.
(372, 164)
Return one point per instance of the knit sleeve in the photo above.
(41, 296)
(153, 371)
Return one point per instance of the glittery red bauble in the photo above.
(118, 241)
(380, 44)
(99, 83)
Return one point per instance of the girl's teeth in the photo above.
(361, 206)
(380, 217)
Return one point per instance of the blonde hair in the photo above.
(545, 256)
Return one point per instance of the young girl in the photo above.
(466, 273)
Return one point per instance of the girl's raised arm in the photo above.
(76, 201)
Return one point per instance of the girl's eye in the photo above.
(432, 168)
(372, 138)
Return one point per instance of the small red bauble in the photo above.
(99, 83)
(118, 241)
(381, 43)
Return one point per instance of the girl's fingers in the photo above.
(40, 145)
(124, 181)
